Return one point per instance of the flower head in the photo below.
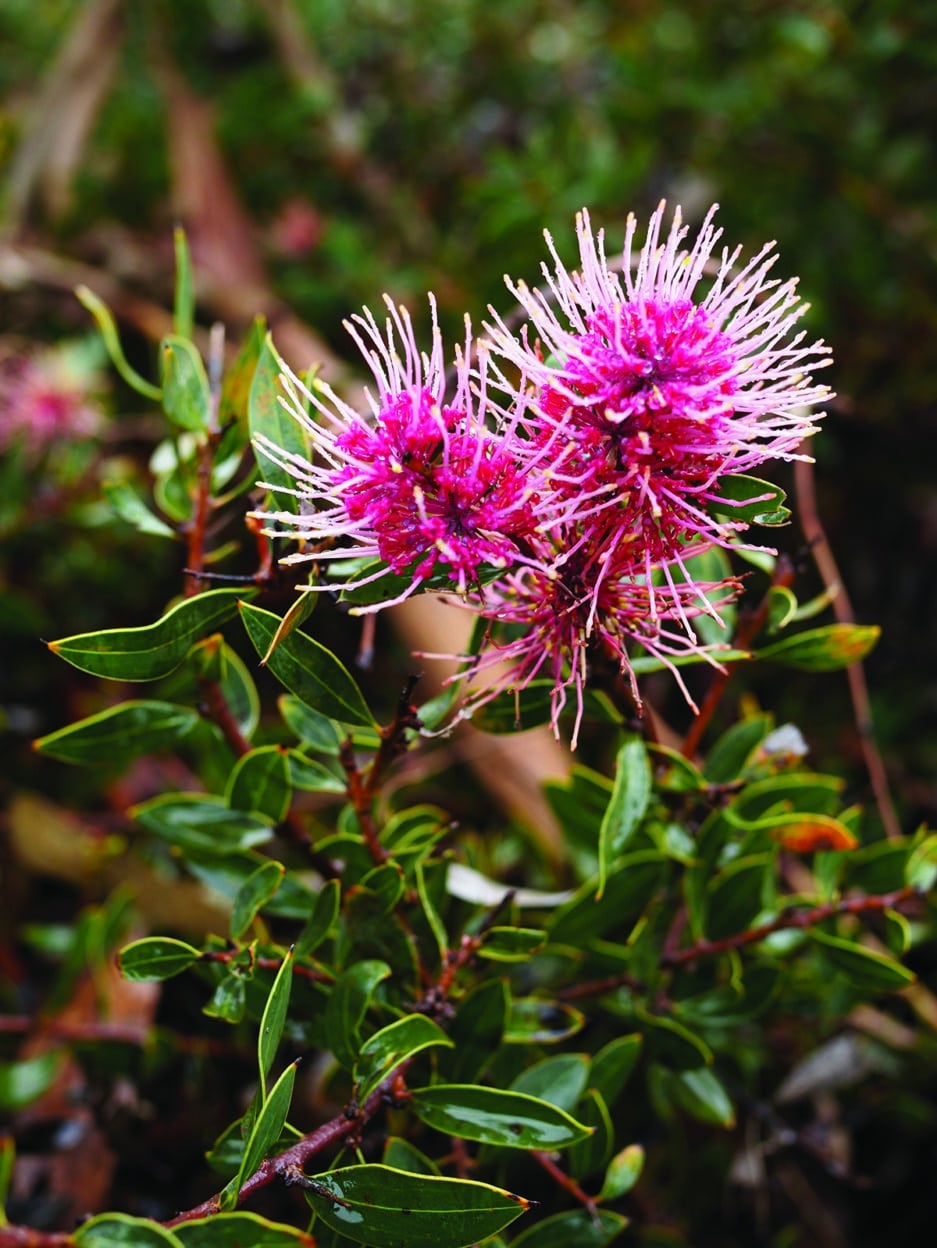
(422, 485)
(650, 388)
(45, 400)
(555, 619)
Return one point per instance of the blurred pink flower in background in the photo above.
(46, 399)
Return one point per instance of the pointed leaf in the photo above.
(268, 418)
(348, 1004)
(390, 1046)
(388, 1208)
(156, 957)
(274, 1017)
(613, 1064)
(260, 781)
(268, 1125)
(186, 396)
(307, 669)
(201, 824)
(626, 808)
(322, 920)
(701, 1094)
(865, 969)
(128, 504)
(108, 328)
(119, 1230)
(155, 650)
(184, 300)
(823, 649)
(121, 733)
(240, 1230)
(253, 895)
(575, 1229)
(623, 1172)
(561, 1080)
(511, 1119)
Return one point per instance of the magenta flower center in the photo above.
(432, 491)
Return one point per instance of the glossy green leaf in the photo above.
(730, 753)
(591, 1155)
(631, 795)
(672, 1044)
(752, 500)
(156, 957)
(120, 1230)
(260, 781)
(183, 320)
(512, 944)
(240, 1230)
(307, 669)
(736, 895)
(274, 1017)
(782, 607)
(823, 649)
(268, 1125)
(623, 1172)
(186, 396)
(239, 377)
(121, 733)
(400, 1154)
(300, 611)
(202, 824)
(533, 1020)
(253, 895)
(128, 504)
(865, 969)
(387, 1208)
(315, 730)
(491, 1116)
(267, 418)
(613, 1064)
(156, 649)
(383, 1052)
(229, 1000)
(311, 776)
(321, 921)
(575, 1229)
(631, 884)
(561, 1080)
(348, 1004)
(108, 328)
(921, 871)
(26, 1080)
(702, 1094)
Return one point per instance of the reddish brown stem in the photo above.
(568, 1184)
(842, 608)
(790, 919)
(268, 964)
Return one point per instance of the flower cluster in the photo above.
(577, 465)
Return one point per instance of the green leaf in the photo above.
(575, 1229)
(156, 957)
(672, 1044)
(823, 649)
(260, 781)
(623, 1172)
(533, 1020)
(253, 895)
(701, 1094)
(383, 1052)
(298, 613)
(782, 607)
(736, 895)
(119, 1230)
(400, 1154)
(274, 1017)
(491, 1116)
(752, 500)
(348, 1004)
(106, 324)
(121, 733)
(512, 944)
(865, 969)
(7, 1160)
(25, 1081)
(184, 302)
(613, 1064)
(154, 650)
(315, 730)
(186, 395)
(628, 889)
(267, 417)
(240, 1230)
(921, 871)
(477, 1030)
(561, 1080)
(229, 1000)
(268, 1126)
(590, 1156)
(201, 824)
(322, 920)
(127, 503)
(730, 753)
(631, 795)
(388, 1208)
(313, 777)
(307, 669)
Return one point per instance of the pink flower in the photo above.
(44, 401)
(552, 621)
(423, 486)
(651, 387)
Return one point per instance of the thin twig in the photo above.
(855, 673)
